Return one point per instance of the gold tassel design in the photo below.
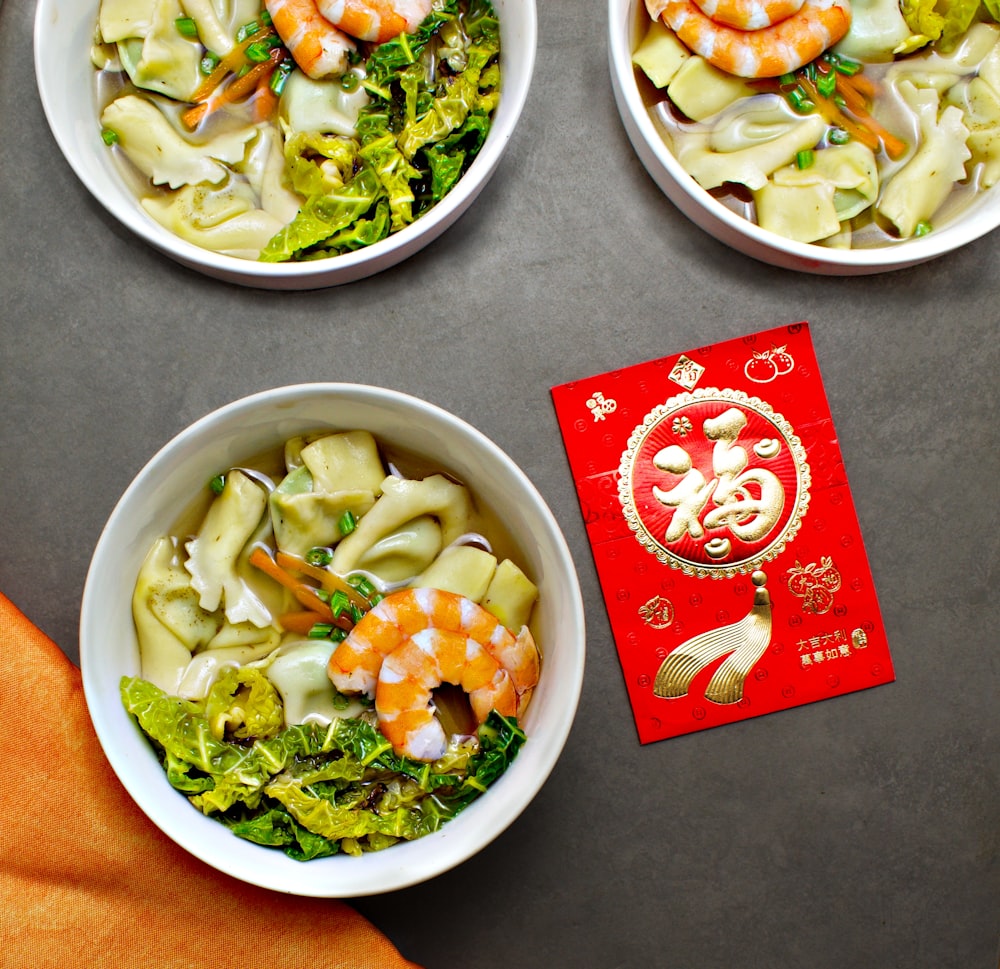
(744, 641)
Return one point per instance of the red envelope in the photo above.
(724, 533)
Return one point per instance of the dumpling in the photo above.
(264, 169)
(465, 570)
(224, 219)
(308, 105)
(404, 552)
(402, 501)
(164, 60)
(749, 143)
(310, 519)
(809, 204)
(701, 90)
(916, 191)
(213, 563)
(878, 31)
(119, 19)
(211, 31)
(300, 677)
(170, 624)
(344, 462)
(204, 668)
(158, 150)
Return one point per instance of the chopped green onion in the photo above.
(362, 584)
(109, 137)
(357, 613)
(209, 63)
(247, 30)
(846, 66)
(376, 599)
(349, 82)
(826, 84)
(347, 523)
(837, 136)
(321, 630)
(797, 98)
(923, 228)
(319, 556)
(265, 18)
(259, 51)
(217, 484)
(280, 77)
(804, 158)
(839, 101)
(186, 26)
(339, 603)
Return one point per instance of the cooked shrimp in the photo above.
(318, 47)
(375, 20)
(771, 51)
(355, 663)
(748, 14)
(410, 673)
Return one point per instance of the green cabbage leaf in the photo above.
(426, 120)
(312, 790)
(944, 21)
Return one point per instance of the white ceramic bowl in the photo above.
(728, 227)
(164, 488)
(64, 32)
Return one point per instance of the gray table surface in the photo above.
(863, 831)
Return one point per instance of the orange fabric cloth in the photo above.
(87, 880)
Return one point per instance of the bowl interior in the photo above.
(63, 38)
(108, 647)
(624, 20)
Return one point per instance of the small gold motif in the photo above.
(600, 405)
(745, 642)
(814, 584)
(658, 612)
(686, 372)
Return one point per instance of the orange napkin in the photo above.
(87, 880)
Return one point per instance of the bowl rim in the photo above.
(404, 864)
(726, 225)
(311, 273)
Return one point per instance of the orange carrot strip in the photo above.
(305, 594)
(329, 580)
(265, 101)
(850, 90)
(833, 115)
(230, 63)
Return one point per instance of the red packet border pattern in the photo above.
(724, 533)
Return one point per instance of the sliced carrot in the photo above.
(329, 580)
(229, 64)
(304, 593)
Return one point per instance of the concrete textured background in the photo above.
(863, 831)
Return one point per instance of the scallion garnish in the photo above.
(804, 158)
(217, 484)
(186, 26)
(259, 51)
(347, 523)
(247, 30)
(837, 136)
(362, 584)
(923, 228)
(209, 63)
(109, 137)
(321, 557)
(280, 76)
(798, 100)
(826, 83)
(321, 630)
(339, 603)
